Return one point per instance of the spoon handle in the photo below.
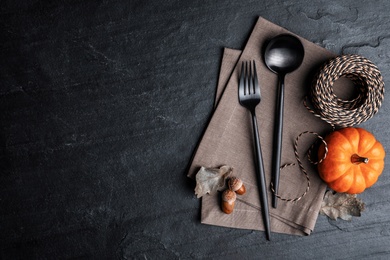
(277, 149)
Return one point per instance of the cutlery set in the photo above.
(283, 54)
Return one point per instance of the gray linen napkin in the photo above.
(228, 139)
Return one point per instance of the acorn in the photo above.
(228, 199)
(237, 185)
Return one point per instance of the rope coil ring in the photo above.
(344, 113)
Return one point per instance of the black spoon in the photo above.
(283, 54)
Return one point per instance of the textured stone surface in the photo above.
(102, 104)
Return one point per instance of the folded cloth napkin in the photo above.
(228, 139)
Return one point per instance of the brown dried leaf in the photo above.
(211, 180)
(341, 205)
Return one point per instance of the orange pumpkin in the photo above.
(354, 161)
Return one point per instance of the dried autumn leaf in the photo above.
(341, 205)
(211, 180)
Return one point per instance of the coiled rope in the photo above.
(338, 112)
(344, 113)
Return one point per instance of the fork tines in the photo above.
(249, 84)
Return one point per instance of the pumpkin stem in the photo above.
(356, 159)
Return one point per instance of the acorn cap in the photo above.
(229, 196)
(235, 183)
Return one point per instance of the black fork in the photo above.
(249, 97)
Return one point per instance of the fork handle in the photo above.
(261, 178)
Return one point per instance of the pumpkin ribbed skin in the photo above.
(344, 168)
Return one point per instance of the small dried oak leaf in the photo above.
(211, 180)
(341, 205)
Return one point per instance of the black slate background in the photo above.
(102, 104)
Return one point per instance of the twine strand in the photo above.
(300, 164)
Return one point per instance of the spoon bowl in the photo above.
(283, 55)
